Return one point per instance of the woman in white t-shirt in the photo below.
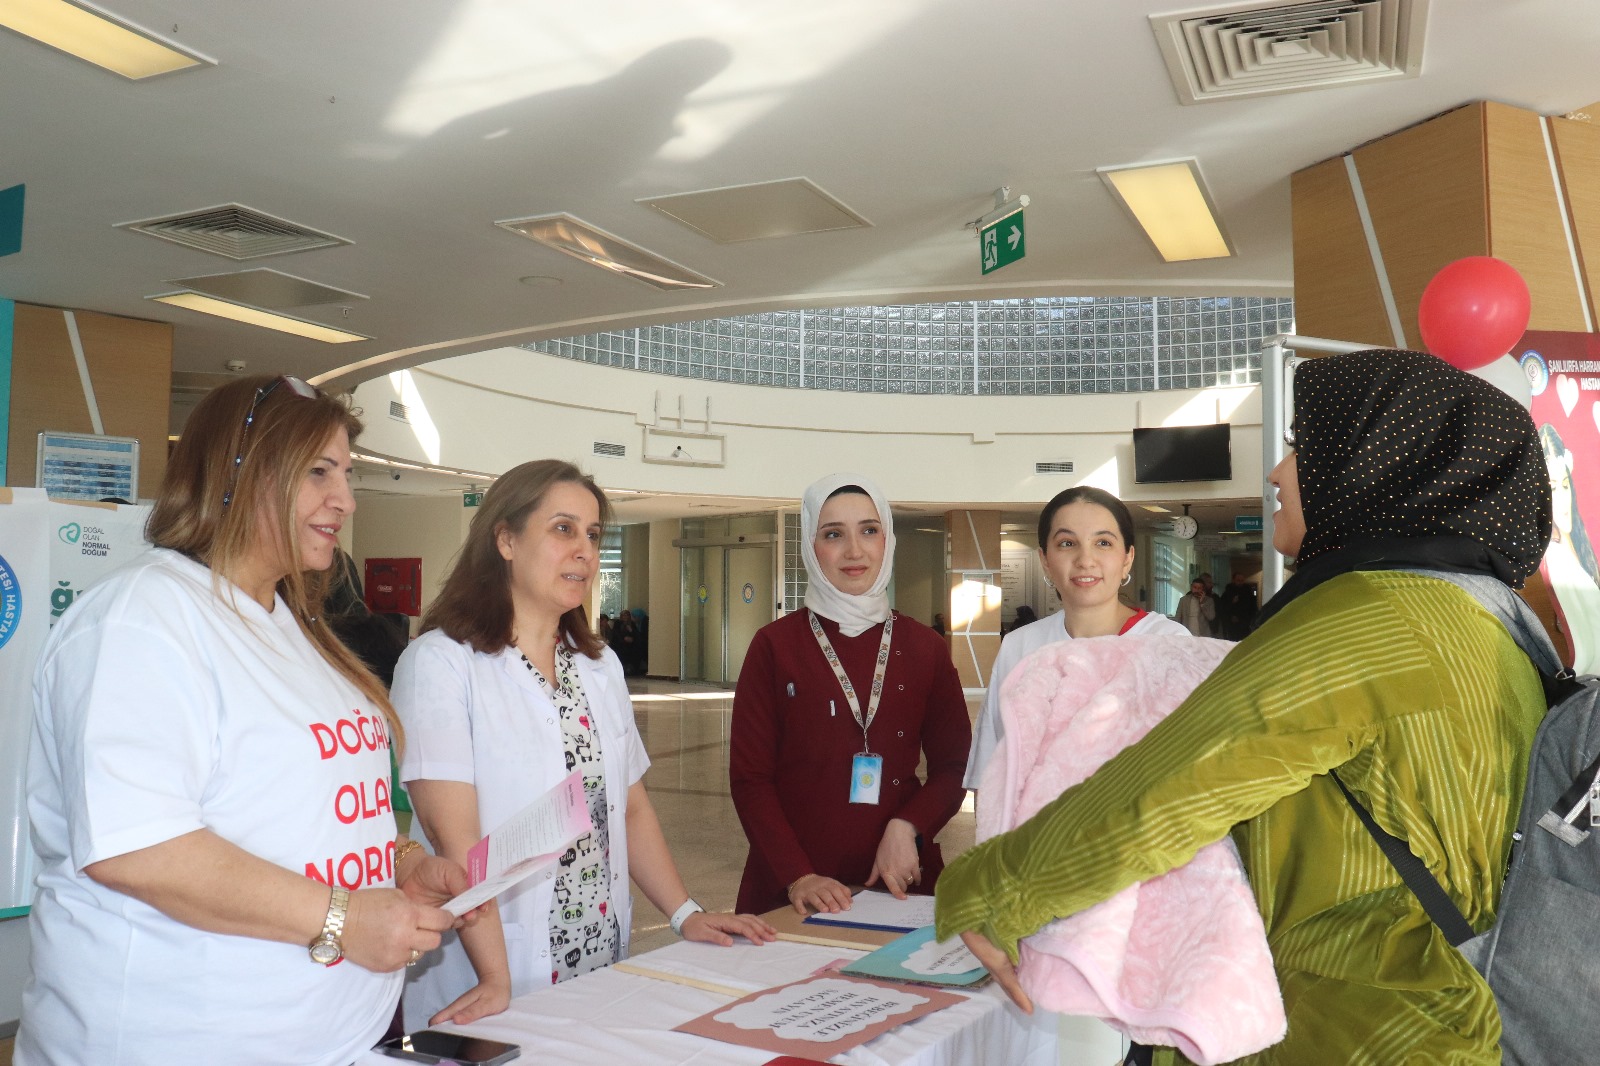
(1086, 546)
(504, 695)
(208, 778)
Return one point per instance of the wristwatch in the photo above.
(327, 949)
(682, 914)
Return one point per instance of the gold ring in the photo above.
(415, 955)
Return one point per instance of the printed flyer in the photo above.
(917, 958)
(819, 1017)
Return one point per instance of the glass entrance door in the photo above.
(727, 597)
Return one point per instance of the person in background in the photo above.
(625, 641)
(1086, 549)
(641, 660)
(1197, 610)
(505, 694)
(938, 622)
(1025, 617)
(196, 734)
(834, 708)
(1236, 607)
(1415, 502)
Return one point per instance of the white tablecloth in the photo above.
(614, 1017)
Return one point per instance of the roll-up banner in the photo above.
(1564, 372)
(50, 552)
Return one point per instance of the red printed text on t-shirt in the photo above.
(356, 801)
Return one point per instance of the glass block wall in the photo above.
(1040, 346)
(794, 565)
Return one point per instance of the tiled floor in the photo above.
(685, 731)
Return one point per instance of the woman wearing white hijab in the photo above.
(835, 706)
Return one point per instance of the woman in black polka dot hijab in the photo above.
(1405, 462)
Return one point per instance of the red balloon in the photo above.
(1473, 311)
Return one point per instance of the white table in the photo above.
(613, 1017)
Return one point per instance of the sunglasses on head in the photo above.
(296, 386)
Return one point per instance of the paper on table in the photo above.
(525, 843)
(880, 910)
(919, 959)
(818, 1017)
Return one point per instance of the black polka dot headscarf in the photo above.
(1402, 444)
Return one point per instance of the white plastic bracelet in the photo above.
(681, 915)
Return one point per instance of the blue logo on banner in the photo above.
(1533, 365)
(10, 601)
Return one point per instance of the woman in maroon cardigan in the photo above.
(823, 771)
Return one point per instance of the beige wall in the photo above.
(636, 567)
(491, 410)
(429, 527)
(919, 575)
(666, 609)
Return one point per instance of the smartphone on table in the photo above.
(434, 1046)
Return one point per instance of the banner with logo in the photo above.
(1564, 370)
(50, 552)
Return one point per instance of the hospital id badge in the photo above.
(866, 774)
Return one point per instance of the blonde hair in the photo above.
(285, 436)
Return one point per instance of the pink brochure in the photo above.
(525, 843)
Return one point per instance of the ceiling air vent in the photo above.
(398, 412)
(1060, 466)
(235, 232)
(611, 451)
(1269, 47)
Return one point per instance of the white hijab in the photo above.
(854, 614)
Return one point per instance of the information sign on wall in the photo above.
(85, 466)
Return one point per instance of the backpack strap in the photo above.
(1566, 817)
(1418, 878)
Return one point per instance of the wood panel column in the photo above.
(1373, 226)
(128, 366)
(974, 597)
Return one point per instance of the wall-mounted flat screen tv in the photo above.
(1182, 453)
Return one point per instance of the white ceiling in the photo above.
(410, 126)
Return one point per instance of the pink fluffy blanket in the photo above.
(1182, 959)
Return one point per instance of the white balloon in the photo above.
(1507, 375)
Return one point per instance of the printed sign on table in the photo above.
(1564, 371)
(819, 1017)
(917, 958)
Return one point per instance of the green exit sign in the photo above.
(1002, 243)
(471, 499)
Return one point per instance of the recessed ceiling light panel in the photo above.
(94, 35)
(264, 287)
(593, 245)
(254, 316)
(1173, 208)
(764, 209)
